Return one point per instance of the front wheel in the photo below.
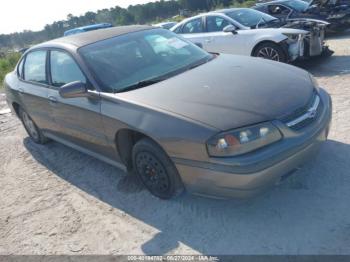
(155, 170)
(270, 51)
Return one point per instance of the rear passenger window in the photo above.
(64, 69)
(35, 67)
(20, 69)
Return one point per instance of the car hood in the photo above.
(229, 92)
(281, 31)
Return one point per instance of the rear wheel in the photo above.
(270, 51)
(155, 170)
(33, 131)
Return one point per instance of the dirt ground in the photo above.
(55, 200)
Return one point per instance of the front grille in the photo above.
(306, 115)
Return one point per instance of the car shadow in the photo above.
(307, 214)
(338, 35)
(326, 66)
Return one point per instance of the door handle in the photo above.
(52, 99)
(207, 40)
(20, 91)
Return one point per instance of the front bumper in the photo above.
(253, 174)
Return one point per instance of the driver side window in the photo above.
(64, 70)
(216, 23)
(193, 26)
(278, 10)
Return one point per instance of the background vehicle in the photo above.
(337, 16)
(313, 41)
(236, 31)
(174, 114)
(87, 28)
(166, 25)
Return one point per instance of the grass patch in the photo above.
(7, 64)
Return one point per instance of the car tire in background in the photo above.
(155, 170)
(32, 129)
(271, 51)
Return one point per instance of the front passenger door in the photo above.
(222, 42)
(78, 119)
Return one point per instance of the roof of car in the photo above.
(271, 2)
(86, 38)
(226, 10)
(87, 28)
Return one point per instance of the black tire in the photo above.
(271, 51)
(32, 129)
(155, 170)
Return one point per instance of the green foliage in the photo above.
(248, 3)
(7, 64)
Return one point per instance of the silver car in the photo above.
(177, 117)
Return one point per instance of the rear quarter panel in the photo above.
(11, 90)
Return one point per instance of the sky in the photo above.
(19, 15)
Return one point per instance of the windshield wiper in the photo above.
(141, 84)
(201, 62)
(152, 81)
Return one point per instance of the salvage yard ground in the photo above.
(55, 200)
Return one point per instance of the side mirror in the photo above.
(73, 89)
(230, 29)
(199, 45)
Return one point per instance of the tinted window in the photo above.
(34, 67)
(193, 26)
(64, 69)
(250, 17)
(216, 23)
(124, 61)
(300, 6)
(278, 9)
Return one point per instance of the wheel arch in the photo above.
(16, 107)
(282, 44)
(261, 43)
(125, 139)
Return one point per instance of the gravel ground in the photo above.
(55, 200)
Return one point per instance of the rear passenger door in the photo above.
(78, 119)
(33, 88)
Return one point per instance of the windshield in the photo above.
(141, 57)
(250, 17)
(297, 5)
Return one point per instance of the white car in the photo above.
(236, 31)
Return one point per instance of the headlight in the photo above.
(336, 16)
(243, 140)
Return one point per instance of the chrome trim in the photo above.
(311, 113)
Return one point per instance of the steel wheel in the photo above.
(32, 129)
(269, 53)
(30, 126)
(155, 169)
(152, 173)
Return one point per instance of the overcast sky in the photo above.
(19, 15)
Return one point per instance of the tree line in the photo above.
(134, 14)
